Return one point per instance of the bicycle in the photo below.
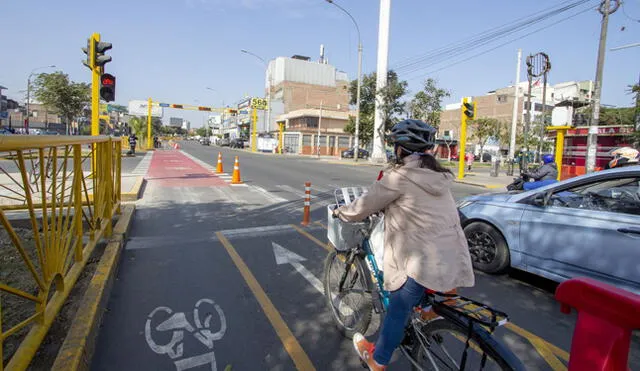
(438, 315)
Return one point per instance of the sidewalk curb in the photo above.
(134, 194)
(78, 347)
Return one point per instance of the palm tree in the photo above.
(138, 126)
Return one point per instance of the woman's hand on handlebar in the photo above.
(335, 212)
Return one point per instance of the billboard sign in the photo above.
(139, 108)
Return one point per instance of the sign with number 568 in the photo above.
(259, 103)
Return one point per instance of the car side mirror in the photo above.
(540, 199)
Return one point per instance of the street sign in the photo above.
(164, 104)
(259, 103)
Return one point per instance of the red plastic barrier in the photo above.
(606, 317)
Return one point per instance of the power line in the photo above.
(484, 38)
(406, 61)
(624, 10)
(494, 48)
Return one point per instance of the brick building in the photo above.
(299, 89)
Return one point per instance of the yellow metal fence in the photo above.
(53, 211)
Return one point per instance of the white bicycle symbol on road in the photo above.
(177, 323)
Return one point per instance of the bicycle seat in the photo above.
(606, 317)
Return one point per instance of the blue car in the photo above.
(584, 226)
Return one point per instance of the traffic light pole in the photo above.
(95, 87)
(462, 150)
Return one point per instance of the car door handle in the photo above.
(629, 230)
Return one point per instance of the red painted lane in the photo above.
(174, 169)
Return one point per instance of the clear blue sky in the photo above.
(173, 49)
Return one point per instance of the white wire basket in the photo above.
(343, 236)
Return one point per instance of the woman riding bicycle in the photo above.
(425, 246)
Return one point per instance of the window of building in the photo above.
(502, 98)
(343, 142)
(306, 140)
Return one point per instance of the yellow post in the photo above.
(149, 143)
(281, 137)
(463, 140)
(77, 200)
(95, 96)
(254, 131)
(95, 87)
(560, 132)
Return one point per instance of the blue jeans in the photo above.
(401, 302)
(540, 183)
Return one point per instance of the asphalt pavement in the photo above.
(216, 275)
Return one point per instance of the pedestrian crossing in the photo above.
(143, 166)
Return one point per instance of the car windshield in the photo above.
(616, 195)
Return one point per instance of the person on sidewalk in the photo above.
(545, 175)
(469, 157)
(424, 242)
(133, 140)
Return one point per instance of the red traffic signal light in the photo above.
(108, 87)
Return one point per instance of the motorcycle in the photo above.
(518, 183)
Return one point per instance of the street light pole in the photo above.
(26, 123)
(266, 65)
(357, 131)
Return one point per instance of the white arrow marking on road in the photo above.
(284, 256)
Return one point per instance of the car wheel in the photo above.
(488, 248)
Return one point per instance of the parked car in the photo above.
(236, 143)
(205, 141)
(50, 132)
(584, 226)
(362, 153)
(224, 142)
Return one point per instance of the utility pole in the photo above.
(319, 125)
(592, 139)
(378, 154)
(514, 119)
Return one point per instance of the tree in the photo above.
(201, 131)
(483, 130)
(389, 100)
(426, 105)
(57, 92)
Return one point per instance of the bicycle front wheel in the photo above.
(345, 289)
(445, 349)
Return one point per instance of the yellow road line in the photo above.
(309, 236)
(290, 343)
(535, 338)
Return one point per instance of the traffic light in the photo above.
(232, 112)
(108, 87)
(469, 110)
(95, 53)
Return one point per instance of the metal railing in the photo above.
(53, 210)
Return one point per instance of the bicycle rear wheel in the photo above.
(446, 349)
(352, 305)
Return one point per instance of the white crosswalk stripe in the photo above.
(144, 164)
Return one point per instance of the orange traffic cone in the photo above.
(235, 178)
(219, 168)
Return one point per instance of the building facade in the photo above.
(307, 96)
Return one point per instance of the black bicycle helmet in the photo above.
(413, 135)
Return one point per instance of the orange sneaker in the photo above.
(365, 352)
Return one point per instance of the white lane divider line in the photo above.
(275, 199)
(297, 192)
